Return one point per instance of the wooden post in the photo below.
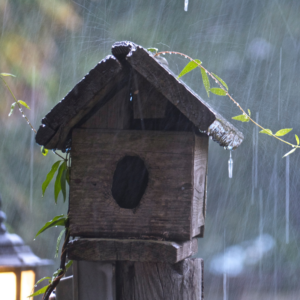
(160, 281)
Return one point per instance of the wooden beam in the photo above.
(132, 250)
(160, 281)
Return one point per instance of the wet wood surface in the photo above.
(96, 249)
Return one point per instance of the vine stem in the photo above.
(227, 93)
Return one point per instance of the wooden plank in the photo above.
(115, 114)
(165, 208)
(94, 280)
(130, 250)
(160, 281)
(200, 170)
(148, 103)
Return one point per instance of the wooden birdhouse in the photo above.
(138, 139)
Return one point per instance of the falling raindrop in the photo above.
(287, 200)
(186, 4)
(230, 165)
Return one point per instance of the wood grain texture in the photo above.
(200, 170)
(94, 87)
(115, 114)
(95, 249)
(148, 103)
(160, 281)
(165, 208)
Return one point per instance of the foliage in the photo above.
(222, 90)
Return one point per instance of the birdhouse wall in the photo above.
(171, 206)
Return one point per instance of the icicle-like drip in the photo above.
(186, 4)
(230, 165)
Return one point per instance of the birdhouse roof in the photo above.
(111, 74)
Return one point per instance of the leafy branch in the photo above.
(222, 90)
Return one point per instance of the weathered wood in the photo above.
(148, 103)
(165, 208)
(106, 78)
(160, 281)
(131, 250)
(64, 291)
(200, 170)
(115, 114)
(94, 280)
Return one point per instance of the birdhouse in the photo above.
(138, 138)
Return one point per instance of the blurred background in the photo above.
(251, 244)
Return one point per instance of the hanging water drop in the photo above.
(186, 4)
(230, 165)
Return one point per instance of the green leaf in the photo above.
(249, 112)
(56, 221)
(205, 80)
(189, 67)
(68, 264)
(12, 108)
(40, 291)
(44, 151)
(266, 131)
(218, 91)
(221, 81)
(57, 184)
(242, 118)
(153, 50)
(7, 74)
(297, 139)
(42, 279)
(24, 104)
(63, 180)
(58, 241)
(56, 273)
(68, 176)
(283, 132)
(290, 152)
(50, 176)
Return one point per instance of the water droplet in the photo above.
(23, 116)
(186, 4)
(34, 239)
(230, 165)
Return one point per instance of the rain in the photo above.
(252, 238)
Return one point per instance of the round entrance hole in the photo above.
(129, 181)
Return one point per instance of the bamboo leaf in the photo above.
(242, 118)
(189, 67)
(153, 50)
(12, 108)
(42, 279)
(24, 104)
(58, 241)
(283, 132)
(44, 151)
(249, 112)
(266, 131)
(218, 91)
(290, 152)
(221, 81)
(57, 184)
(50, 176)
(68, 264)
(68, 176)
(297, 139)
(63, 183)
(205, 80)
(56, 221)
(7, 74)
(40, 291)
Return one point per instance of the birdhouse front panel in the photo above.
(139, 184)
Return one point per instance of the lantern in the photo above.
(19, 266)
